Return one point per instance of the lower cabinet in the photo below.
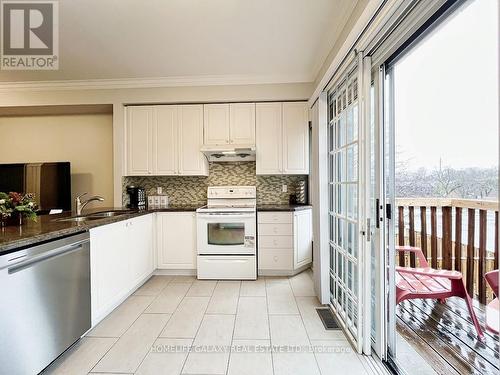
(122, 257)
(284, 242)
(176, 240)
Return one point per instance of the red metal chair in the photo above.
(425, 282)
(493, 308)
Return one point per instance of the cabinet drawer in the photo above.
(275, 217)
(276, 259)
(276, 242)
(275, 230)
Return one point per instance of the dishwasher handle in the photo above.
(45, 256)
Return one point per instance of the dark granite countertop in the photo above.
(283, 207)
(47, 227)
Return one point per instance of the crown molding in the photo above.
(159, 82)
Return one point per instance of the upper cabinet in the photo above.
(295, 138)
(282, 137)
(191, 161)
(140, 140)
(216, 124)
(269, 142)
(242, 123)
(226, 124)
(165, 140)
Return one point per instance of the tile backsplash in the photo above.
(192, 190)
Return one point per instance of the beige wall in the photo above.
(84, 140)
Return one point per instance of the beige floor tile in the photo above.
(225, 298)
(251, 319)
(288, 330)
(250, 364)
(296, 364)
(339, 358)
(184, 279)
(116, 323)
(82, 357)
(302, 285)
(166, 358)
(280, 299)
(202, 288)
(215, 330)
(186, 320)
(153, 286)
(254, 288)
(129, 351)
(168, 300)
(206, 364)
(312, 322)
(250, 357)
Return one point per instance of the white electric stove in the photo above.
(226, 234)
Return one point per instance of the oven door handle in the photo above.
(239, 215)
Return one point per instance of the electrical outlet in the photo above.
(284, 188)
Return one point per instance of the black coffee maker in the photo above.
(137, 197)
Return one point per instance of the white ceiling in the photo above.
(270, 40)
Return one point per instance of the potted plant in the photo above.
(15, 206)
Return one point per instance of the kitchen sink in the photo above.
(95, 216)
(108, 214)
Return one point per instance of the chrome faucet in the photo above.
(81, 205)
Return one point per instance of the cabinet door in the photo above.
(140, 248)
(165, 140)
(303, 238)
(139, 140)
(176, 240)
(109, 268)
(216, 124)
(190, 129)
(242, 123)
(268, 138)
(295, 138)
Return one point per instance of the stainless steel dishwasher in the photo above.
(44, 303)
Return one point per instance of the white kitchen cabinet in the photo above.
(282, 138)
(302, 229)
(192, 162)
(295, 138)
(284, 242)
(140, 140)
(141, 248)
(242, 123)
(229, 124)
(165, 140)
(176, 240)
(121, 258)
(269, 138)
(216, 124)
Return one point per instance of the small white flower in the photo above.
(2, 201)
(30, 204)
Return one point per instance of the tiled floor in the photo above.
(180, 325)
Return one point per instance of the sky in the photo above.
(446, 93)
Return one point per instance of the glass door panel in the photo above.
(344, 194)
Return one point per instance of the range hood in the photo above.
(229, 153)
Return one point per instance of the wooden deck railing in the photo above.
(447, 248)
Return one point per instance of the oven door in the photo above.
(229, 233)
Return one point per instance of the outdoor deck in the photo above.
(443, 334)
